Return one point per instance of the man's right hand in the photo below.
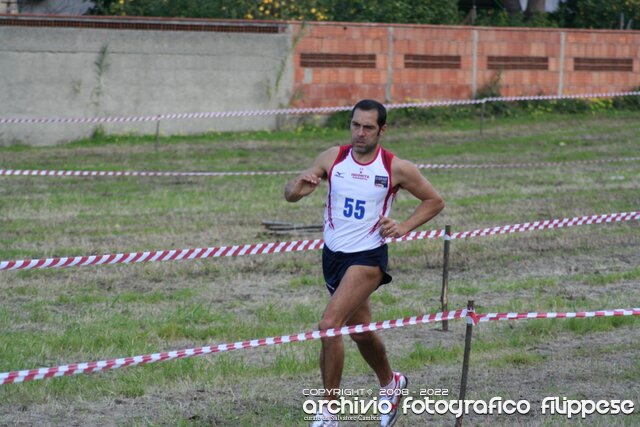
(305, 183)
(301, 186)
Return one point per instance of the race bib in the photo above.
(354, 209)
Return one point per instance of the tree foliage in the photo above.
(396, 11)
(613, 14)
(571, 14)
(222, 9)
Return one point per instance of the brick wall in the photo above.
(177, 65)
(337, 64)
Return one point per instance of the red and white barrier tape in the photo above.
(80, 368)
(472, 317)
(57, 173)
(297, 245)
(518, 165)
(76, 173)
(319, 110)
(548, 224)
(489, 317)
(166, 255)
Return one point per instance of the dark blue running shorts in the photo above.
(335, 264)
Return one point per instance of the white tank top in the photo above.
(358, 194)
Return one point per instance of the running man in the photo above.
(364, 179)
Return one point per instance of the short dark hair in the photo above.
(370, 104)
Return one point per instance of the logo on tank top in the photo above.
(381, 181)
(361, 175)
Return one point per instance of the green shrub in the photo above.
(438, 115)
(339, 120)
(492, 90)
(630, 102)
(429, 115)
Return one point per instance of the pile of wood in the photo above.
(284, 227)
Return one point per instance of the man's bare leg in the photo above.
(371, 346)
(356, 286)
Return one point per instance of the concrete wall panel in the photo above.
(52, 72)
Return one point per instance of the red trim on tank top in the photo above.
(342, 154)
(368, 163)
(387, 158)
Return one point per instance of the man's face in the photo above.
(365, 131)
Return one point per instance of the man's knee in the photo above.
(328, 323)
(363, 338)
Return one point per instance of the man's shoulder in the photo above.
(387, 151)
(335, 149)
(402, 163)
(328, 157)
(397, 164)
(387, 156)
(331, 154)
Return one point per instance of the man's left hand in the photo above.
(390, 227)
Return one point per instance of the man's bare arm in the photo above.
(305, 183)
(406, 175)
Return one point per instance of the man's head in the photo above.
(368, 123)
(369, 105)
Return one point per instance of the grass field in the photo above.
(55, 317)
